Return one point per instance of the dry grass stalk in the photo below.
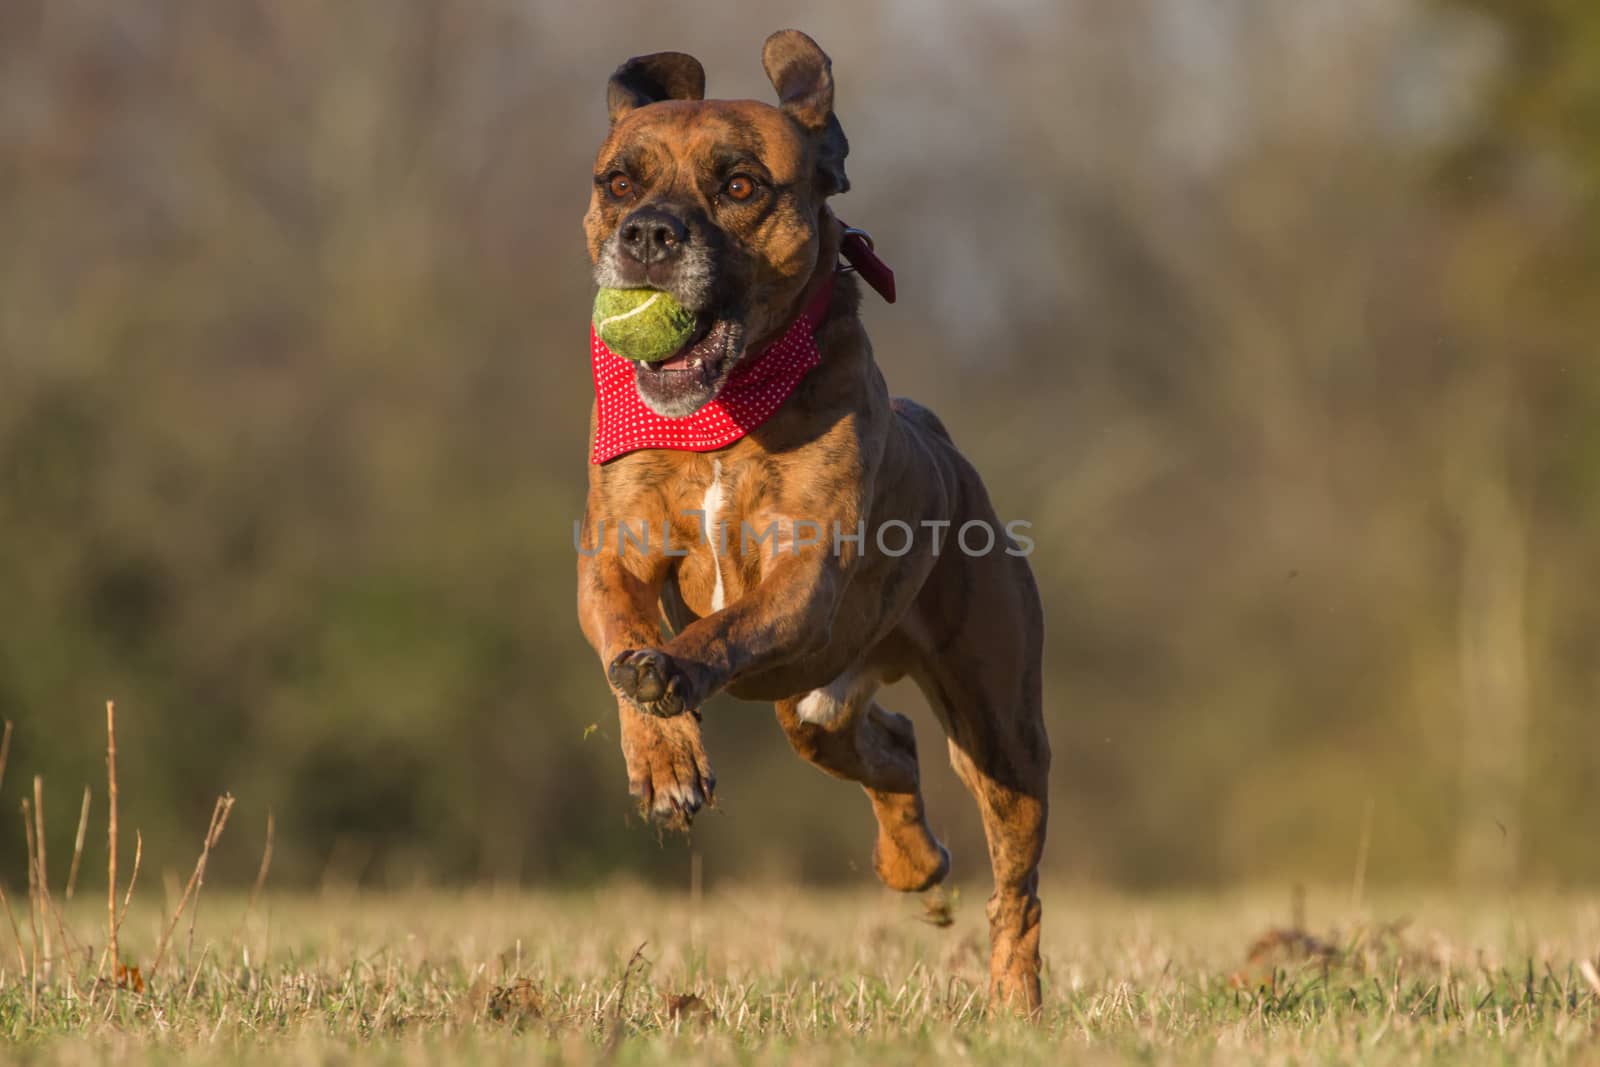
(124, 977)
(41, 901)
(47, 899)
(219, 819)
(118, 971)
(77, 844)
(47, 903)
(1358, 884)
(133, 878)
(41, 904)
(111, 839)
(1590, 975)
(38, 913)
(33, 896)
(33, 851)
(16, 934)
(266, 863)
(616, 1031)
(38, 829)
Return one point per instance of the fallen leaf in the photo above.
(517, 1002)
(1292, 944)
(129, 978)
(681, 1005)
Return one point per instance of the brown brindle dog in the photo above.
(723, 203)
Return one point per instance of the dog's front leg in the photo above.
(667, 765)
(787, 615)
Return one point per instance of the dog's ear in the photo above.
(803, 76)
(661, 76)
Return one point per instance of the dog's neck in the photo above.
(826, 272)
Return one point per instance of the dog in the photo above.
(724, 205)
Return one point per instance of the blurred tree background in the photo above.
(1276, 319)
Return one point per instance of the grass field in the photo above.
(818, 977)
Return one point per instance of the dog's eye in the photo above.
(620, 186)
(740, 187)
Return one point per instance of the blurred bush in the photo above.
(1273, 318)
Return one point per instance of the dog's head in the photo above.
(718, 202)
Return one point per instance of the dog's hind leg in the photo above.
(846, 733)
(984, 684)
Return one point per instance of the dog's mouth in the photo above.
(687, 380)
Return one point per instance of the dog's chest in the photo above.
(705, 532)
(727, 532)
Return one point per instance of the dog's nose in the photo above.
(651, 234)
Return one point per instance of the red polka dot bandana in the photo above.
(748, 398)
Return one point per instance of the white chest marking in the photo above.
(711, 505)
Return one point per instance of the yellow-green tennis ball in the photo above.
(642, 324)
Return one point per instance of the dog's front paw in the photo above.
(651, 681)
(668, 770)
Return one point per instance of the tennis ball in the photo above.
(642, 324)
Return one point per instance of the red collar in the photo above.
(749, 397)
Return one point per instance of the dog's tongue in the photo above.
(677, 362)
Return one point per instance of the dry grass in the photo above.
(784, 975)
(638, 975)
